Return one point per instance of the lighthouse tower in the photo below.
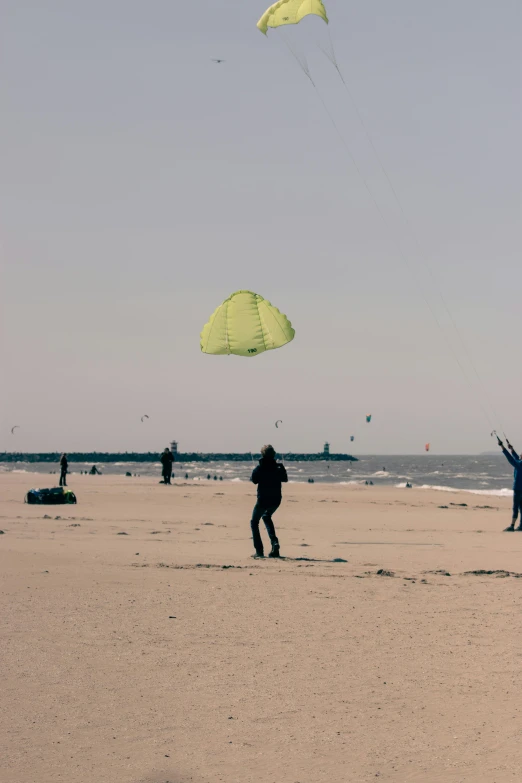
(174, 447)
(326, 450)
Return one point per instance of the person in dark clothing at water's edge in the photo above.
(63, 470)
(167, 460)
(268, 475)
(516, 462)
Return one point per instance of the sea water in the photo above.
(482, 474)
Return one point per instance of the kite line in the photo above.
(303, 64)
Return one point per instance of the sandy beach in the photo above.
(142, 644)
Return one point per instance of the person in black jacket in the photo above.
(268, 475)
(63, 470)
(167, 460)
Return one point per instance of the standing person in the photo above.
(167, 460)
(516, 462)
(268, 475)
(63, 470)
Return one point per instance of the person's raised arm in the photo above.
(510, 458)
(512, 449)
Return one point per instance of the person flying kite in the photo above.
(268, 475)
(514, 460)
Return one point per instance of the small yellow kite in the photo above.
(290, 12)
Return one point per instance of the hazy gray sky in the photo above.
(141, 184)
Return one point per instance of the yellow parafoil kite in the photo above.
(290, 12)
(245, 325)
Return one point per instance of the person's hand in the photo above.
(500, 443)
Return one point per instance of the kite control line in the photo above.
(423, 254)
(286, 12)
(508, 443)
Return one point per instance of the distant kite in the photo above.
(214, 60)
(245, 325)
(427, 446)
(352, 438)
(369, 418)
(144, 417)
(278, 422)
(16, 427)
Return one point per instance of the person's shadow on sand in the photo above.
(310, 560)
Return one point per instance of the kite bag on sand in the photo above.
(50, 497)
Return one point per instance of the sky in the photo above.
(141, 184)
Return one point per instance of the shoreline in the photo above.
(504, 492)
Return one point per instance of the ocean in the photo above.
(481, 475)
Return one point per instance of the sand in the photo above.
(168, 654)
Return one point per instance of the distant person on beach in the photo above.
(167, 460)
(268, 475)
(63, 470)
(94, 471)
(514, 459)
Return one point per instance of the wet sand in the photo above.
(376, 649)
